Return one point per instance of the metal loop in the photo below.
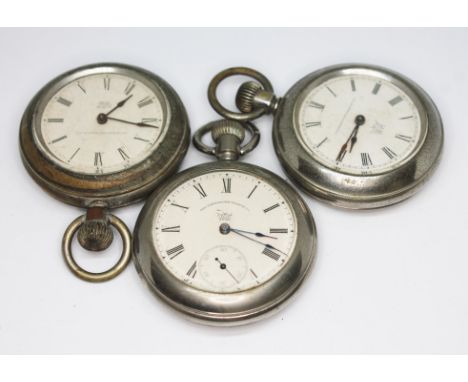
(244, 149)
(101, 276)
(220, 109)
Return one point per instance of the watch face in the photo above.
(224, 232)
(360, 123)
(101, 123)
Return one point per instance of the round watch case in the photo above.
(113, 189)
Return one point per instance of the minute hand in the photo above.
(139, 124)
(257, 241)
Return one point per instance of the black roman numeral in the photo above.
(176, 228)
(312, 124)
(200, 190)
(278, 230)
(128, 89)
(316, 105)
(97, 159)
(405, 138)
(271, 208)
(178, 205)
(145, 102)
(227, 185)
(176, 251)
(272, 255)
(107, 83)
(192, 271)
(366, 159)
(123, 154)
(389, 152)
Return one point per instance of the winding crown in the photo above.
(245, 96)
(227, 127)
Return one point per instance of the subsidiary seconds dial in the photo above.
(359, 124)
(224, 231)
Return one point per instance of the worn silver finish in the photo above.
(97, 192)
(225, 308)
(357, 191)
(101, 276)
(115, 189)
(329, 184)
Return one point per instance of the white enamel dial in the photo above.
(224, 231)
(101, 123)
(359, 124)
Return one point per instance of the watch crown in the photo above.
(246, 94)
(227, 127)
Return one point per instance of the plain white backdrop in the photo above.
(385, 281)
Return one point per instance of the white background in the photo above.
(386, 281)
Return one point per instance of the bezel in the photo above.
(115, 188)
(231, 308)
(352, 190)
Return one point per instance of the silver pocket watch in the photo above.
(225, 242)
(99, 137)
(353, 135)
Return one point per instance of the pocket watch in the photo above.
(225, 242)
(356, 136)
(98, 137)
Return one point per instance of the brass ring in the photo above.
(220, 109)
(244, 149)
(101, 276)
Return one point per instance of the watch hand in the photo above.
(359, 120)
(120, 104)
(223, 266)
(258, 234)
(257, 241)
(139, 124)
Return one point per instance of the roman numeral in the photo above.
(176, 228)
(366, 159)
(192, 271)
(389, 152)
(312, 124)
(81, 87)
(331, 91)
(253, 273)
(200, 190)
(271, 208)
(107, 83)
(59, 139)
(376, 88)
(142, 139)
(64, 101)
(272, 255)
(321, 142)
(55, 120)
(123, 154)
(405, 138)
(73, 155)
(178, 205)
(97, 159)
(278, 230)
(128, 89)
(316, 105)
(145, 102)
(395, 100)
(176, 251)
(251, 192)
(227, 185)
(407, 117)
(353, 85)
(150, 120)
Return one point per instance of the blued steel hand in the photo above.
(120, 104)
(359, 120)
(140, 124)
(237, 232)
(258, 234)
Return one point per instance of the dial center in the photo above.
(224, 228)
(102, 118)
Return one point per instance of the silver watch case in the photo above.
(225, 308)
(114, 189)
(356, 191)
